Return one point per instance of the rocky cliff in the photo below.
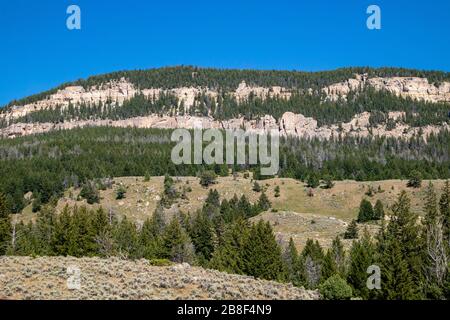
(406, 87)
(289, 124)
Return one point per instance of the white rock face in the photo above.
(406, 87)
(122, 90)
(290, 124)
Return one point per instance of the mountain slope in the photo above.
(258, 100)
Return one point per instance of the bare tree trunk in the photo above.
(13, 237)
(436, 251)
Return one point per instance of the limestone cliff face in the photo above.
(290, 124)
(122, 90)
(407, 87)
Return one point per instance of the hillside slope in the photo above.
(46, 278)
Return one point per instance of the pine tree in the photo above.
(415, 179)
(312, 258)
(256, 187)
(361, 257)
(277, 191)
(126, 239)
(202, 235)
(365, 211)
(293, 265)
(352, 231)
(404, 227)
(396, 279)
(176, 244)
(338, 255)
(5, 225)
(228, 256)
(44, 230)
(62, 238)
(328, 182)
(378, 211)
(444, 206)
(312, 181)
(264, 202)
(262, 255)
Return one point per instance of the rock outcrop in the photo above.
(406, 87)
(290, 124)
(119, 91)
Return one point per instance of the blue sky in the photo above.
(38, 52)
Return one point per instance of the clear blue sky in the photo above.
(38, 52)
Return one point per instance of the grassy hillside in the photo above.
(295, 214)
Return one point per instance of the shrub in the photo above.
(415, 180)
(335, 288)
(256, 187)
(90, 193)
(207, 178)
(160, 262)
(277, 191)
(120, 192)
(328, 182)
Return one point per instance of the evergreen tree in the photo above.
(312, 181)
(415, 179)
(207, 178)
(228, 256)
(44, 231)
(352, 231)
(404, 228)
(120, 192)
(5, 225)
(365, 211)
(361, 257)
(293, 265)
(378, 211)
(176, 244)
(256, 187)
(202, 235)
(277, 191)
(397, 281)
(90, 193)
(312, 257)
(126, 239)
(328, 182)
(444, 206)
(264, 202)
(338, 255)
(262, 255)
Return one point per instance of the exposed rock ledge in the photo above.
(290, 124)
(406, 87)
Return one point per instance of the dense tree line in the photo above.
(411, 254)
(49, 163)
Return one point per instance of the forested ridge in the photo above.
(229, 79)
(47, 164)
